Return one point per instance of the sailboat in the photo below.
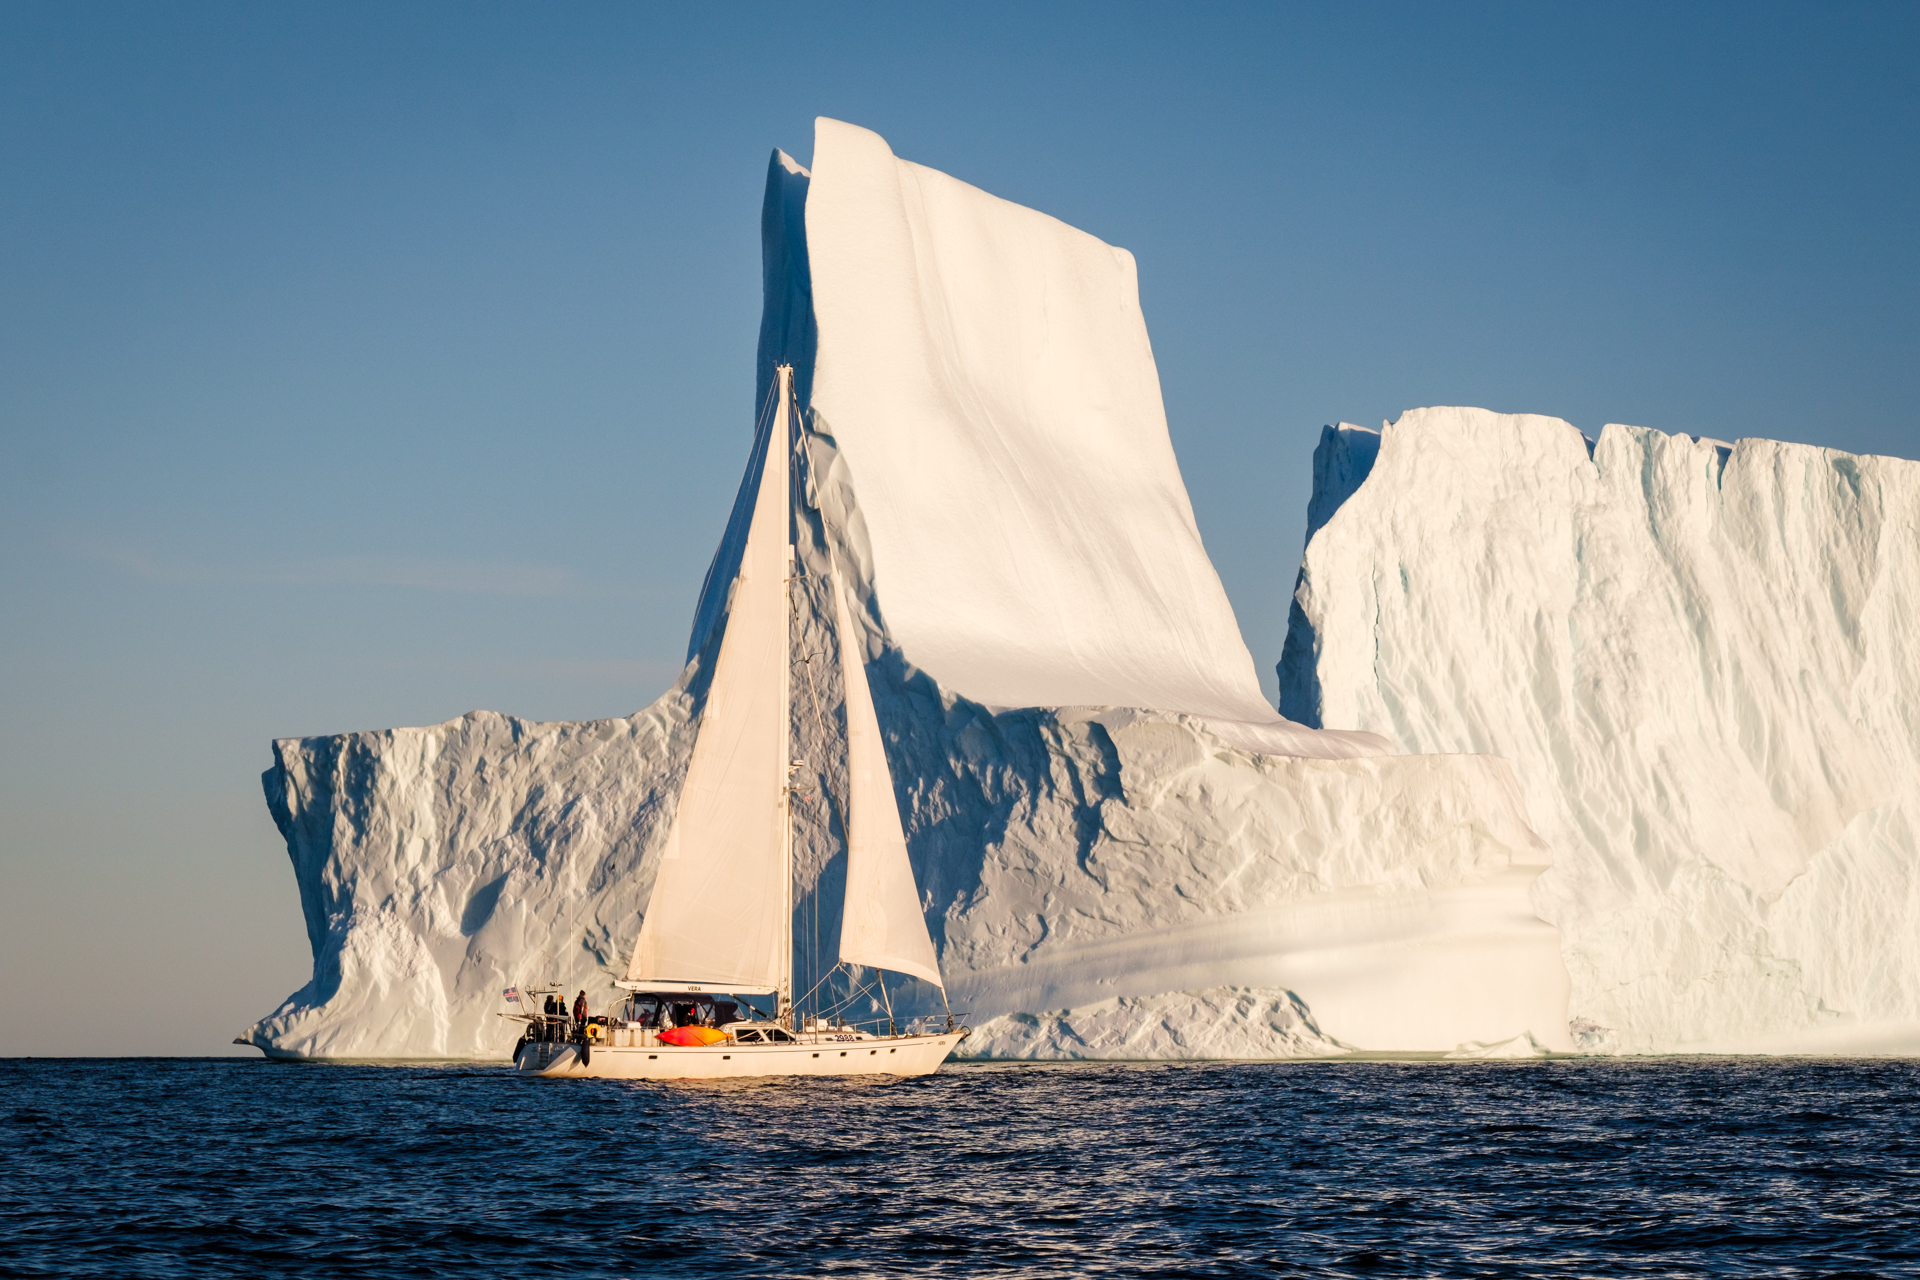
(719, 923)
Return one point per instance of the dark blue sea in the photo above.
(223, 1167)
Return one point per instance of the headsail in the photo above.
(882, 924)
(720, 913)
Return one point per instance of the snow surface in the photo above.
(1698, 655)
(1103, 816)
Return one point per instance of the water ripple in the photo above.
(1567, 1168)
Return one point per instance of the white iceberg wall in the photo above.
(1069, 857)
(1698, 656)
(1150, 857)
(1100, 808)
(437, 866)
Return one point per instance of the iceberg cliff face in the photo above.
(1699, 657)
(1121, 849)
(437, 866)
(1004, 487)
(1071, 857)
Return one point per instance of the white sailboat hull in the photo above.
(884, 1055)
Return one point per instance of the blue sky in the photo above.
(365, 365)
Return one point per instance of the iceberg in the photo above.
(1227, 1022)
(1121, 849)
(1698, 656)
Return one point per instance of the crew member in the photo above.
(580, 1014)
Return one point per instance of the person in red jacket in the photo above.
(580, 1014)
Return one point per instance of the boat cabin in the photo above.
(663, 1011)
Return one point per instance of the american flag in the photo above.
(512, 994)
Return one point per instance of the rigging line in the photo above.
(835, 1010)
(833, 802)
(765, 416)
(802, 460)
(797, 462)
(766, 406)
(845, 1000)
(848, 1001)
(816, 986)
(796, 448)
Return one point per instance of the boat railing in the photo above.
(882, 1028)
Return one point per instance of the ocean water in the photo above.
(226, 1167)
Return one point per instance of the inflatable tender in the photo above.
(692, 1037)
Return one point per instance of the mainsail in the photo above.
(720, 914)
(882, 925)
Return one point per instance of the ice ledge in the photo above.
(1223, 1022)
